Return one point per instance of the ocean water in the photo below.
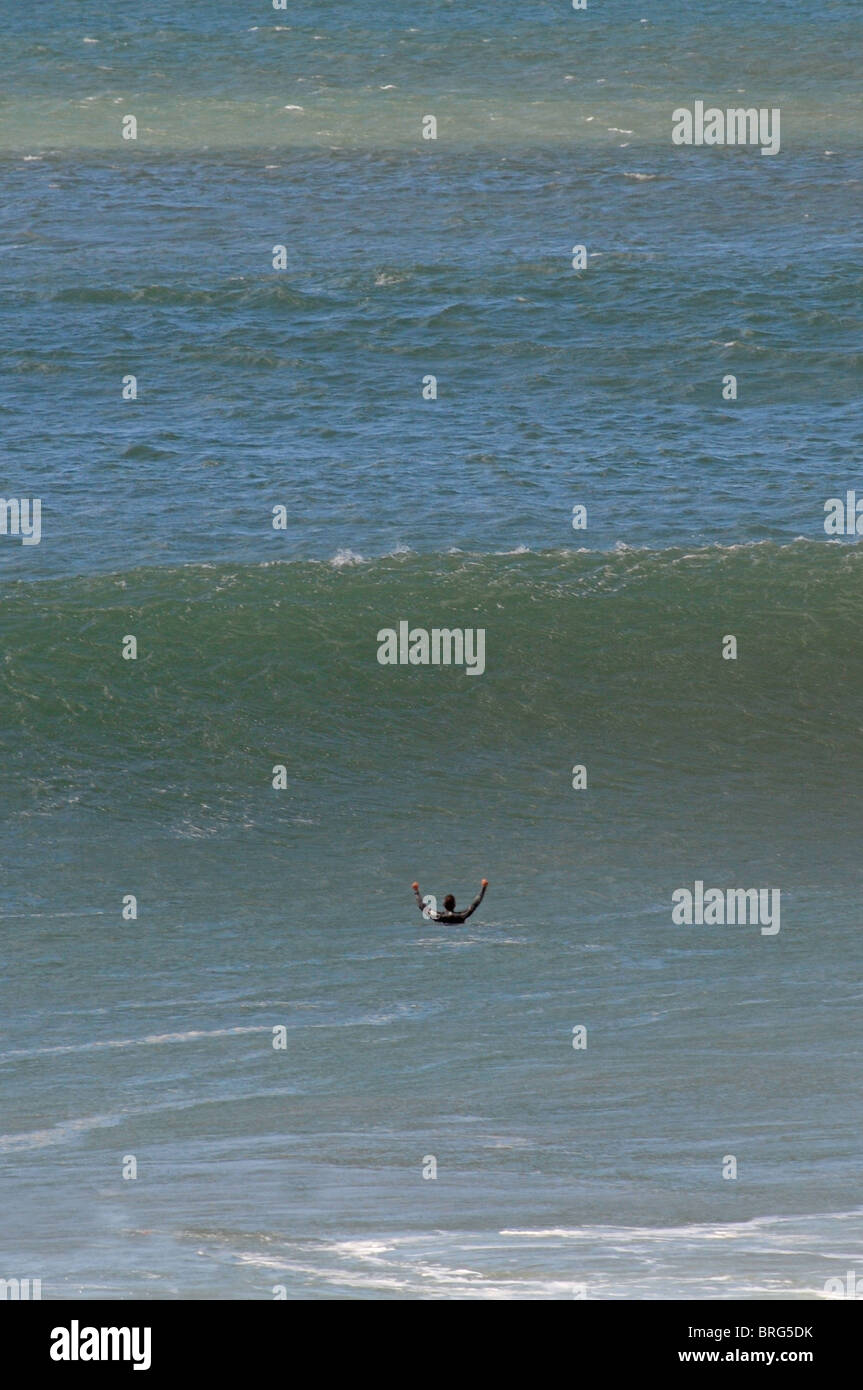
(561, 1173)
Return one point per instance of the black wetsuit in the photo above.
(450, 918)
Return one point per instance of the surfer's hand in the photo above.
(485, 883)
(415, 887)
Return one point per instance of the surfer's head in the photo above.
(449, 902)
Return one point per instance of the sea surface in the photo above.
(297, 1170)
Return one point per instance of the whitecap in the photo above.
(346, 557)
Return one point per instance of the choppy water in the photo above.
(302, 1168)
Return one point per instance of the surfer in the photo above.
(450, 915)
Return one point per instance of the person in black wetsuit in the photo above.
(450, 915)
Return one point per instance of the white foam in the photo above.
(152, 1040)
(346, 557)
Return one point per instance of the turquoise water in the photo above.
(557, 1170)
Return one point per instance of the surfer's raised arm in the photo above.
(450, 915)
(477, 900)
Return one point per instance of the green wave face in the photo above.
(614, 660)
